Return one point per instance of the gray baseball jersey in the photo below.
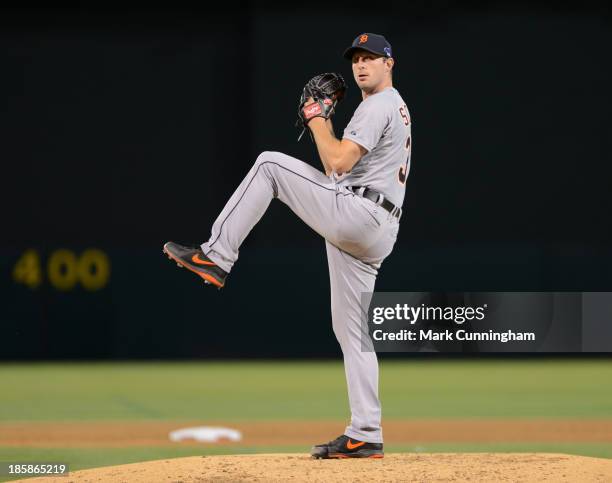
(359, 234)
(381, 124)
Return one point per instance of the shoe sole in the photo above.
(341, 456)
(207, 278)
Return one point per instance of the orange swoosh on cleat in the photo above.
(351, 445)
(196, 259)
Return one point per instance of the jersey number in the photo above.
(402, 174)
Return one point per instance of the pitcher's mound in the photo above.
(394, 467)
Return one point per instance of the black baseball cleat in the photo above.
(345, 447)
(193, 258)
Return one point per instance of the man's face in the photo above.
(370, 70)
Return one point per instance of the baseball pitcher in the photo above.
(355, 206)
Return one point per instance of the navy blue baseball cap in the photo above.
(373, 43)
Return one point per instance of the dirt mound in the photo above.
(394, 467)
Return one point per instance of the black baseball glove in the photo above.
(326, 90)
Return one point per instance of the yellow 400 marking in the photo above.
(64, 269)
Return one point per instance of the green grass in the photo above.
(235, 391)
(293, 390)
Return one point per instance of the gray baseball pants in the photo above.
(359, 235)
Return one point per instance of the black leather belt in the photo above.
(377, 198)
